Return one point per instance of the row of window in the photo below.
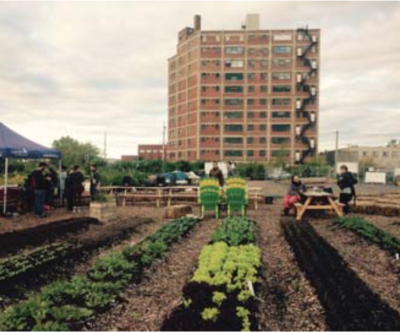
(251, 63)
(250, 76)
(250, 114)
(240, 50)
(249, 153)
(250, 127)
(252, 88)
(251, 37)
(250, 101)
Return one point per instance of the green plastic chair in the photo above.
(209, 196)
(236, 199)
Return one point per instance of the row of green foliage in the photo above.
(227, 266)
(23, 263)
(63, 305)
(371, 233)
(235, 231)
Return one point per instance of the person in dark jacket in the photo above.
(94, 181)
(293, 196)
(76, 183)
(39, 184)
(217, 173)
(346, 183)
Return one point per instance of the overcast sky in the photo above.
(82, 68)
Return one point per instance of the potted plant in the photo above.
(103, 208)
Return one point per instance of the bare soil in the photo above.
(147, 304)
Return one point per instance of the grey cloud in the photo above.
(82, 68)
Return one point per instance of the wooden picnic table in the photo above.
(318, 201)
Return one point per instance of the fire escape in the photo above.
(302, 104)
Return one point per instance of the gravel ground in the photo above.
(147, 304)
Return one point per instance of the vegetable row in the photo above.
(64, 305)
(371, 233)
(220, 295)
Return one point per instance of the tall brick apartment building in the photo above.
(244, 95)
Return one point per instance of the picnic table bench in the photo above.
(318, 201)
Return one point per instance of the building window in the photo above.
(251, 76)
(233, 153)
(395, 154)
(281, 101)
(281, 115)
(263, 88)
(233, 140)
(281, 76)
(234, 127)
(263, 115)
(251, 102)
(263, 102)
(281, 49)
(250, 153)
(234, 50)
(282, 37)
(280, 127)
(263, 127)
(263, 64)
(250, 140)
(234, 76)
(251, 88)
(250, 127)
(280, 153)
(263, 140)
(281, 88)
(280, 140)
(251, 63)
(233, 115)
(281, 62)
(234, 102)
(385, 154)
(233, 89)
(234, 64)
(264, 76)
(262, 153)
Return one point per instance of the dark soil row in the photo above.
(349, 303)
(12, 242)
(85, 246)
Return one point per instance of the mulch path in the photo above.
(145, 305)
(376, 267)
(289, 302)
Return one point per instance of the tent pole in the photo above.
(5, 187)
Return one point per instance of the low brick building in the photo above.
(150, 151)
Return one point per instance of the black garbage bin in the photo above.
(269, 200)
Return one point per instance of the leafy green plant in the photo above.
(235, 231)
(63, 304)
(371, 233)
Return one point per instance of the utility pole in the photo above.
(163, 145)
(105, 145)
(336, 149)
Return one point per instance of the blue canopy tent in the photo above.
(13, 145)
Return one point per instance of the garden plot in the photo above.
(387, 204)
(67, 304)
(350, 304)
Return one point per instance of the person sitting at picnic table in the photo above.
(217, 174)
(293, 195)
(346, 183)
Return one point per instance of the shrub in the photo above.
(235, 231)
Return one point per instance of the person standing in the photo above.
(231, 168)
(217, 174)
(77, 188)
(39, 185)
(346, 183)
(94, 181)
(293, 196)
(63, 180)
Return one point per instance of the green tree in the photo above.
(77, 153)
